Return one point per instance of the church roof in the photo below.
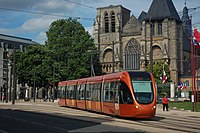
(161, 9)
(132, 27)
(142, 16)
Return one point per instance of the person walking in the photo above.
(165, 103)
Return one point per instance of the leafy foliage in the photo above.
(30, 66)
(158, 71)
(162, 89)
(70, 45)
(66, 55)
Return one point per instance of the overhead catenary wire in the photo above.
(80, 4)
(48, 14)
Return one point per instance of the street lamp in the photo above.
(52, 91)
(14, 78)
(53, 96)
(34, 87)
(151, 47)
(91, 62)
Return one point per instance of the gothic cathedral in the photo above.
(124, 41)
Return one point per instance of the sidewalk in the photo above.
(37, 101)
(187, 114)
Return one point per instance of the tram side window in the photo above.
(72, 94)
(88, 91)
(125, 96)
(112, 91)
(106, 91)
(67, 92)
(96, 92)
(82, 92)
(116, 89)
(60, 92)
(71, 89)
(78, 92)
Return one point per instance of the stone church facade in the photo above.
(124, 40)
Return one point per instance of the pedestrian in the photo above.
(165, 103)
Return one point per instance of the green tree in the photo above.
(158, 70)
(162, 89)
(66, 55)
(69, 45)
(33, 66)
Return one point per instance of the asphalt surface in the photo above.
(39, 116)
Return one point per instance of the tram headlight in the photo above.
(136, 107)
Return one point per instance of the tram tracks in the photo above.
(161, 123)
(164, 123)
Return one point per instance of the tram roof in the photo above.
(62, 83)
(95, 79)
(83, 80)
(115, 75)
(72, 82)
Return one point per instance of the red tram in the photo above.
(125, 94)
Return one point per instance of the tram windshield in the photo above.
(142, 87)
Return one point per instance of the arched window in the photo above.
(132, 55)
(106, 20)
(113, 22)
(159, 28)
(107, 56)
(157, 53)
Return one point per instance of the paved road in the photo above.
(48, 117)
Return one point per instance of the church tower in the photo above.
(113, 24)
(166, 25)
(124, 40)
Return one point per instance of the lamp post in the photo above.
(6, 92)
(151, 47)
(34, 87)
(53, 92)
(92, 73)
(14, 78)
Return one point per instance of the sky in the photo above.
(32, 18)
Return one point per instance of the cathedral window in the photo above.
(159, 28)
(107, 56)
(106, 21)
(132, 55)
(153, 29)
(113, 22)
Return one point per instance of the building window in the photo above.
(132, 55)
(22, 48)
(107, 56)
(4, 46)
(159, 28)
(113, 22)
(198, 82)
(153, 29)
(5, 55)
(106, 20)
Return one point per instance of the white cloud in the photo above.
(89, 29)
(58, 6)
(36, 24)
(41, 38)
(35, 28)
